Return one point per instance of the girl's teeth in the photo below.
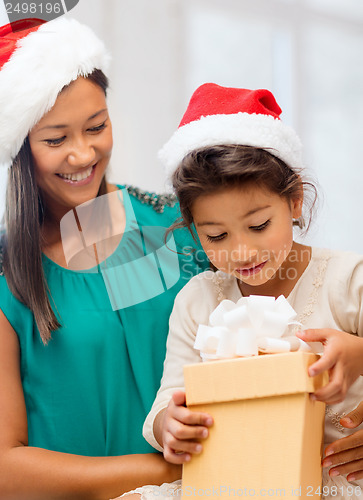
(77, 177)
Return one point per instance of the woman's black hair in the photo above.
(22, 242)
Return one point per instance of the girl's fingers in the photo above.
(175, 458)
(325, 363)
(182, 446)
(179, 451)
(335, 390)
(317, 335)
(189, 417)
(329, 395)
(313, 335)
(178, 398)
(181, 431)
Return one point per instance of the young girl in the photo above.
(83, 325)
(237, 171)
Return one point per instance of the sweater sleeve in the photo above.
(346, 293)
(188, 312)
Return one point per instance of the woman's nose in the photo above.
(81, 154)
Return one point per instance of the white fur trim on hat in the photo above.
(44, 62)
(258, 130)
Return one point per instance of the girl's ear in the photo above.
(296, 208)
(297, 203)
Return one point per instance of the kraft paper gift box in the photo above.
(267, 434)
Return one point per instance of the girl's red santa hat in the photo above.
(222, 115)
(37, 60)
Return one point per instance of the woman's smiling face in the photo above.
(246, 232)
(71, 147)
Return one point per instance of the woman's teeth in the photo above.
(77, 177)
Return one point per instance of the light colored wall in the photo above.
(308, 52)
(143, 38)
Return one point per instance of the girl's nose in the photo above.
(244, 251)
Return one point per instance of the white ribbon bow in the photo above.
(255, 323)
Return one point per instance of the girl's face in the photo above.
(246, 232)
(71, 146)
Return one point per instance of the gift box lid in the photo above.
(251, 377)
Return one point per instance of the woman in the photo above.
(87, 282)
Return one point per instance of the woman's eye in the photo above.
(98, 128)
(216, 238)
(261, 227)
(54, 142)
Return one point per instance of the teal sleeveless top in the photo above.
(89, 390)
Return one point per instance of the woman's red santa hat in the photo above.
(37, 60)
(222, 115)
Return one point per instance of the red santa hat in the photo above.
(222, 115)
(37, 60)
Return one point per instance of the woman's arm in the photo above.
(34, 474)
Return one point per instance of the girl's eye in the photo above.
(54, 142)
(98, 128)
(216, 238)
(261, 227)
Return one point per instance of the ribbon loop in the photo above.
(254, 324)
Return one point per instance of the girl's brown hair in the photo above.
(215, 168)
(21, 242)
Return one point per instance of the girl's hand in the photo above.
(345, 455)
(182, 430)
(342, 358)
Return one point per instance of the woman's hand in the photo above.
(342, 358)
(182, 430)
(345, 456)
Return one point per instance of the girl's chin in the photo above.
(256, 279)
(254, 282)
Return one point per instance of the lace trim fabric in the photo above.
(335, 419)
(218, 280)
(317, 284)
(167, 491)
(157, 201)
